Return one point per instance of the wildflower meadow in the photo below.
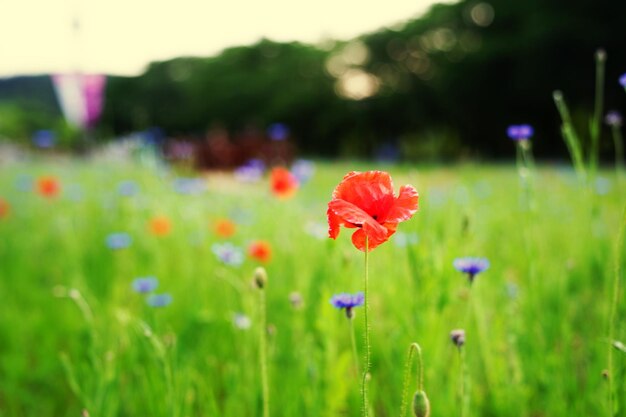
(145, 290)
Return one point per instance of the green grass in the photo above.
(536, 332)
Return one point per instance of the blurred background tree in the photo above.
(445, 85)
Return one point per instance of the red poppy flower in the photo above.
(260, 250)
(48, 186)
(284, 183)
(160, 226)
(225, 228)
(5, 208)
(365, 200)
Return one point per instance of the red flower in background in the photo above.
(160, 226)
(284, 183)
(48, 186)
(260, 250)
(225, 228)
(365, 200)
(5, 208)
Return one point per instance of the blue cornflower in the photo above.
(613, 118)
(278, 131)
(189, 185)
(118, 240)
(127, 188)
(24, 182)
(457, 337)
(348, 301)
(520, 132)
(622, 80)
(228, 253)
(303, 170)
(159, 300)
(251, 171)
(44, 139)
(145, 285)
(471, 266)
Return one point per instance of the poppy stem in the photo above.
(366, 370)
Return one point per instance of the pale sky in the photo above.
(123, 36)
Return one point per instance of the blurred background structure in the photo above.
(442, 86)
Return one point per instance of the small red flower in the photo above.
(365, 200)
(160, 226)
(5, 208)
(284, 183)
(48, 186)
(260, 250)
(225, 228)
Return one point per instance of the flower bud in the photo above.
(421, 405)
(260, 277)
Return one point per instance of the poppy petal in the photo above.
(404, 206)
(366, 190)
(358, 239)
(334, 223)
(350, 213)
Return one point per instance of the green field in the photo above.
(74, 335)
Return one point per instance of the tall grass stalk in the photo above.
(570, 136)
(619, 251)
(596, 122)
(618, 144)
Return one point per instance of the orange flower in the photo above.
(365, 201)
(260, 250)
(225, 228)
(5, 208)
(160, 226)
(48, 186)
(284, 183)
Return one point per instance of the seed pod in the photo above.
(260, 277)
(421, 405)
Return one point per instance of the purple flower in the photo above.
(44, 139)
(118, 240)
(613, 118)
(471, 266)
(189, 185)
(278, 131)
(159, 300)
(251, 171)
(622, 80)
(303, 170)
(458, 337)
(144, 285)
(348, 301)
(127, 188)
(520, 132)
(228, 253)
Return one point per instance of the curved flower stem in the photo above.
(407, 373)
(355, 353)
(613, 311)
(366, 370)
